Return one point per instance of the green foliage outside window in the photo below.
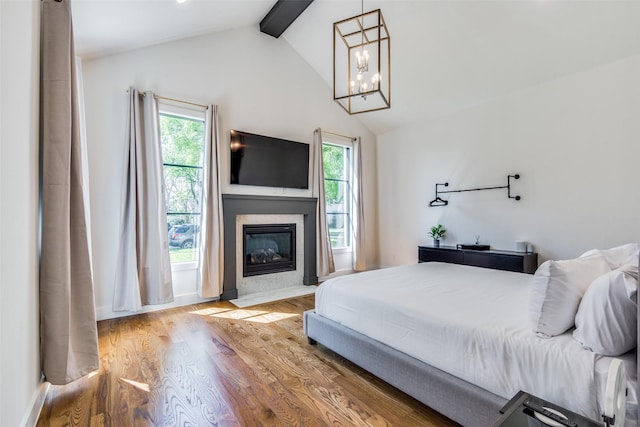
(182, 140)
(333, 158)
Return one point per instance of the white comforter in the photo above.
(467, 321)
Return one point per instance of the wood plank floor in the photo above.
(216, 365)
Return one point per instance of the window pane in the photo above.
(338, 230)
(182, 140)
(183, 188)
(184, 238)
(336, 196)
(333, 157)
(337, 164)
(182, 153)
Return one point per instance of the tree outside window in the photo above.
(182, 155)
(337, 169)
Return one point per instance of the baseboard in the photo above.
(31, 419)
(106, 312)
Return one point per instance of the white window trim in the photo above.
(330, 139)
(180, 110)
(342, 250)
(185, 265)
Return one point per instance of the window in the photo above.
(337, 170)
(182, 156)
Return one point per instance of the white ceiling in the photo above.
(446, 55)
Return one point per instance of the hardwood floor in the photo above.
(216, 365)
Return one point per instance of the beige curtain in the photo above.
(211, 270)
(325, 264)
(68, 332)
(357, 211)
(143, 270)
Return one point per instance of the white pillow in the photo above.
(607, 318)
(632, 261)
(618, 256)
(557, 289)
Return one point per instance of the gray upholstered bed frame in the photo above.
(457, 399)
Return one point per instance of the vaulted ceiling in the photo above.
(447, 55)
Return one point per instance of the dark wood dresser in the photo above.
(521, 262)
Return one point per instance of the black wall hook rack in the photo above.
(438, 201)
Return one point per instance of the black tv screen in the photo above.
(268, 162)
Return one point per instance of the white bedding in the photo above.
(472, 323)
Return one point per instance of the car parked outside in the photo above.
(185, 236)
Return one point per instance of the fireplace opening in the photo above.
(268, 248)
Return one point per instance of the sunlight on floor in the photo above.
(211, 311)
(240, 314)
(136, 384)
(257, 316)
(271, 317)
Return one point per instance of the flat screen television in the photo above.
(268, 162)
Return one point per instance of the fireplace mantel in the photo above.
(240, 204)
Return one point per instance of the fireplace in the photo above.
(268, 248)
(236, 206)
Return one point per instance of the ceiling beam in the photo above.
(281, 15)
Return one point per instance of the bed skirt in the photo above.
(457, 399)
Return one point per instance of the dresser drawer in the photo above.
(426, 254)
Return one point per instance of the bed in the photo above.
(459, 339)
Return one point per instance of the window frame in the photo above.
(347, 179)
(185, 113)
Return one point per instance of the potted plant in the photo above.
(437, 232)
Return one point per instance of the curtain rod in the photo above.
(175, 100)
(350, 138)
(180, 101)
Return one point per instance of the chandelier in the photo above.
(361, 63)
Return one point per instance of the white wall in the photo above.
(574, 140)
(19, 319)
(261, 86)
